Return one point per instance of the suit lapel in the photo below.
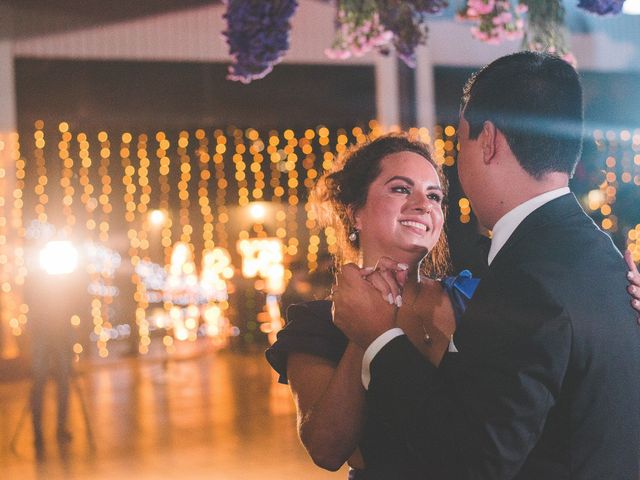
(556, 211)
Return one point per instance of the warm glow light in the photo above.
(215, 264)
(59, 257)
(157, 217)
(595, 199)
(257, 211)
(263, 257)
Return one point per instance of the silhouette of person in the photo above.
(52, 300)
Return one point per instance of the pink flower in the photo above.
(482, 7)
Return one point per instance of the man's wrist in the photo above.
(373, 349)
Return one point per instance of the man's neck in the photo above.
(517, 193)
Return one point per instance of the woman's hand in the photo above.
(388, 277)
(634, 282)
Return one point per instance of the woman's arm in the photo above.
(330, 404)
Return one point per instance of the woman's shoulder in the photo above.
(309, 329)
(309, 311)
(313, 316)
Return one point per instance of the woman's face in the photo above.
(402, 217)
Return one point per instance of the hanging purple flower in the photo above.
(407, 20)
(258, 36)
(602, 7)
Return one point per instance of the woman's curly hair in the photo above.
(338, 194)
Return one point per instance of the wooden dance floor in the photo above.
(217, 415)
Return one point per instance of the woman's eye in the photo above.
(401, 189)
(435, 197)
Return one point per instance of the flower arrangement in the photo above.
(358, 30)
(497, 20)
(258, 36)
(539, 23)
(365, 25)
(258, 30)
(546, 31)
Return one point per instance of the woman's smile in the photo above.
(402, 217)
(415, 226)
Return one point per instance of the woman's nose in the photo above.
(419, 203)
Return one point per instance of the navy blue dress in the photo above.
(310, 330)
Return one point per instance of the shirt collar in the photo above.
(504, 228)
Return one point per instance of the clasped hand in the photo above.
(366, 300)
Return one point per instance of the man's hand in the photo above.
(634, 282)
(359, 309)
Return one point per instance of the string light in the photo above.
(241, 166)
(293, 164)
(275, 160)
(66, 176)
(183, 187)
(41, 169)
(308, 164)
(12, 273)
(465, 210)
(164, 169)
(139, 241)
(203, 190)
(103, 303)
(221, 190)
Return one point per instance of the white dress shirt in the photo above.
(502, 230)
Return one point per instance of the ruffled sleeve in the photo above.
(309, 329)
(460, 290)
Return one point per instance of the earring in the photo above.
(353, 236)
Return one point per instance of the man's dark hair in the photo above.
(535, 100)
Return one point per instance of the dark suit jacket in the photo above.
(546, 380)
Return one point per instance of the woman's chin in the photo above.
(413, 253)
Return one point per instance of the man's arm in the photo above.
(481, 414)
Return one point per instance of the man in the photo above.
(541, 380)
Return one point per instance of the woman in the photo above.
(385, 202)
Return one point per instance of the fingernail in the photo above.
(633, 290)
(399, 301)
(368, 269)
(390, 299)
(636, 303)
(630, 275)
(403, 266)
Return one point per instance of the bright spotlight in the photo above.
(157, 217)
(631, 7)
(59, 257)
(257, 211)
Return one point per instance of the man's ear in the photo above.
(488, 139)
